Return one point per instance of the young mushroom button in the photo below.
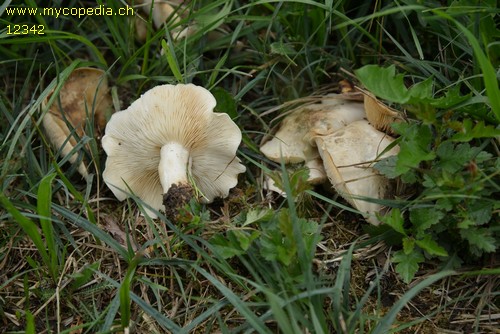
(169, 143)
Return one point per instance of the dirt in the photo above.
(176, 198)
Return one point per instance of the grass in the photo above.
(75, 260)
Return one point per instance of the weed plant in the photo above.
(74, 260)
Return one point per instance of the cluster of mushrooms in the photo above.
(170, 146)
(339, 140)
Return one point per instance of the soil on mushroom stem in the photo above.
(175, 198)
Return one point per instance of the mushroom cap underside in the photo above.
(171, 113)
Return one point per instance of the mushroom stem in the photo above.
(174, 164)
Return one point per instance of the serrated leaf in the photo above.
(421, 91)
(275, 247)
(395, 220)
(465, 224)
(408, 245)
(451, 98)
(453, 158)
(480, 238)
(414, 146)
(480, 211)
(407, 264)
(472, 131)
(244, 238)
(258, 215)
(225, 247)
(431, 246)
(423, 218)
(384, 82)
(387, 167)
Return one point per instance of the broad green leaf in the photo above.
(423, 218)
(244, 238)
(466, 223)
(395, 220)
(258, 215)
(481, 238)
(414, 146)
(478, 130)
(387, 167)
(480, 211)
(407, 264)
(421, 91)
(210, 20)
(276, 248)
(384, 82)
(431, 246)
(453, 158)
(225, 102)
(225, 247)
(408, 245)
(451, 98)
(30, 323)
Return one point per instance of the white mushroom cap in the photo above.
(166, 123)
(292, 142)
(348, 155)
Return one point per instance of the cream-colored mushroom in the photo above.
(293, 142)
(348, 156)
(162, 12)
(170, 140)
(84, 96)
(380, 115)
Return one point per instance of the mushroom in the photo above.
(170, 142)
(379, 114)
(348, 155)
(84, 95)
(162, 13)
(293, 142)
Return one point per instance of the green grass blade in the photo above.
(125, 292)
(44, 207)
(30, 323)
(386, 322)
(171, 58)
(489, 72)
(254, 321)
(340, 293)
(29, 227)
(93, 229)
